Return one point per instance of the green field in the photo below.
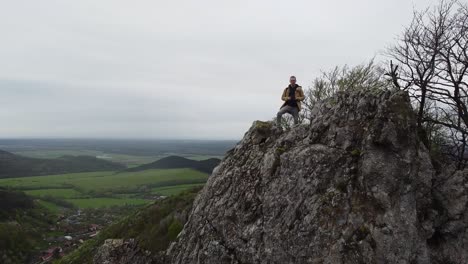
(102, 202)
(59, 193)
(98, 189)
(173, 190)
(51, 206)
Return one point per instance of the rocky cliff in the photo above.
(355, 186)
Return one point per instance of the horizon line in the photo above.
(117, 138)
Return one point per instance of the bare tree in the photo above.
(432, 64)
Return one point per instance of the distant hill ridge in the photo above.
(12, 165)
(174, 162)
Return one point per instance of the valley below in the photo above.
(67, 209)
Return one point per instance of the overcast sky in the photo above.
(174, 69)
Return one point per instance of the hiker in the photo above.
(292, 97)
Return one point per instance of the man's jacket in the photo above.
(299, 96)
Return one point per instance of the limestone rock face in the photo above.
(354, 186)
(449, 242)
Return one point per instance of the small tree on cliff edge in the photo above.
(365, 77)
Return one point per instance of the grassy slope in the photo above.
(154, 227)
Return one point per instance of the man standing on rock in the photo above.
(292, 97)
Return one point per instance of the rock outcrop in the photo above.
(354, 186)
(123, 251)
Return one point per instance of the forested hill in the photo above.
(22, 224)
(11, 201)
(173, 162)
(12, 165)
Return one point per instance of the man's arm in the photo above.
(301, 94)
(285, 96)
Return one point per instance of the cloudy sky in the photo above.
(202, 69)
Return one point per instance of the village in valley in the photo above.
(74, 227)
